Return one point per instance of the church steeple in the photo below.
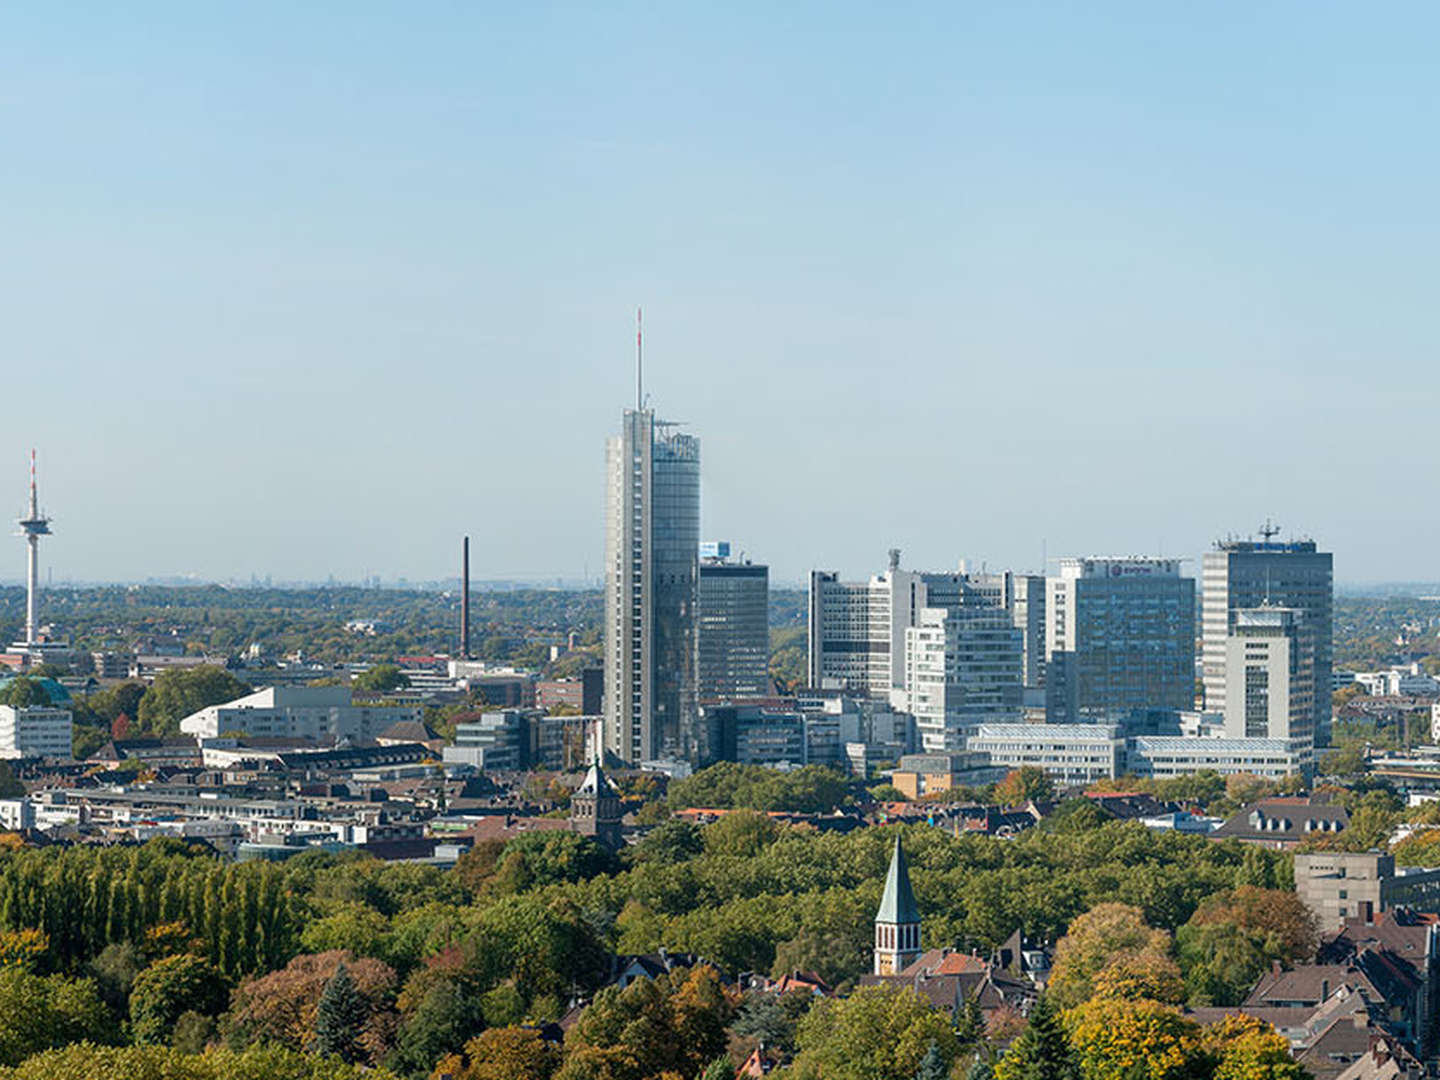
(897, 923)
(595, 808)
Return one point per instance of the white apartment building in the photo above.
(31, 731)
(297, 712)
(16, 814)
(1270, 678)
(963, 667)
(1167, 756)
(1071, 753)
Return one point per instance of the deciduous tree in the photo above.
(1104, 934)
(179, 692)
(1025, 783)
(170, 987)
(878, 1033)
(1138, 1040)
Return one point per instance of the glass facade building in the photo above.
(734, 630)
(1120, 636)
(651, 586)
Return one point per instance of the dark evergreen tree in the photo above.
(932, 1065)
(340, 1017)
(980, 1069)
(1042, 1052)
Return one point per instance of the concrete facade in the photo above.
(1071, 753)
(1167, 756)
(31, 731)
(1269, 681)
(291, 712)
(963, 666)
(1337, 885)
(1247, 574)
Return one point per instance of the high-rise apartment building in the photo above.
(1270, 678)
(1252, 573)
(962, 668)
(1120, 636)
(652, 538)
(734, 631)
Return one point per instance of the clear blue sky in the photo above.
(315, 288)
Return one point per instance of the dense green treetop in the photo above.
(177, 693)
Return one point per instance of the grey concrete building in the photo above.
(1249, 573)
(1023, 596)
(1270, 678)
(1340, 885)
(857, 628)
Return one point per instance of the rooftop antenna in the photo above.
(1268, 530)
(639, 364)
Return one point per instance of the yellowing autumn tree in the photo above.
(1245, 1048)
(1106, 934)
(1138, 1040)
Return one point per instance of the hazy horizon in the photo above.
(315, 291)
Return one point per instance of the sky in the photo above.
(314, 289)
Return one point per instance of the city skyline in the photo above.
(275, 272)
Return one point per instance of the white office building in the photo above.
(1168, 756)
(857, 629)
(1407, 681)
(1071, 753)
(1023, 597)
(33, 731)
(297, 712)
(962, 668)
(1270, 678)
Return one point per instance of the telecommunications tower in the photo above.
(33, 526)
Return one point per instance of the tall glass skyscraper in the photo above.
(652, 538)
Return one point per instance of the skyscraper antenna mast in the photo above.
(639, 364)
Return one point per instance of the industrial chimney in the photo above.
(465, 600)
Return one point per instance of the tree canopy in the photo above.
(177, 693)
